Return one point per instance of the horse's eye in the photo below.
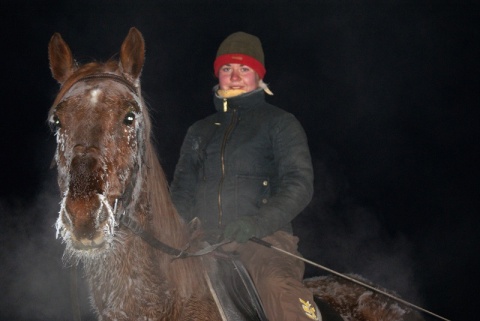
(129, 118)
(55, 123)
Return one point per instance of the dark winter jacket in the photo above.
(248, 159)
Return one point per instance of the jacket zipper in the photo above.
(228, 132)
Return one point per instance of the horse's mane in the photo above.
(168, 226)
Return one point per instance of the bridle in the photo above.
(114, 77)
(109, 76)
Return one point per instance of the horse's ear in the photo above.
(61, 59)
(132, 53)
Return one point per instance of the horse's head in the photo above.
(99, 122)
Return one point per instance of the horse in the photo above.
(108, 170)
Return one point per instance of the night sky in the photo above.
(387, 92)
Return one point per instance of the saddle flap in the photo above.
(234, 289)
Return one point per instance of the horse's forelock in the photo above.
(83, 71)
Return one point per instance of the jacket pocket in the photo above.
(251, 192)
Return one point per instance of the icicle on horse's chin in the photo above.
(107, 167)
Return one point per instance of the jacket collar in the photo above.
(243, 101)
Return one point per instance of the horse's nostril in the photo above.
(78, 149)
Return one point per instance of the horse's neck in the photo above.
(184, 276)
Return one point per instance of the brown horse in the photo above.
(107, 167)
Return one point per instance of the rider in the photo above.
(246, 171)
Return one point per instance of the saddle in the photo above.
(235, 293)
(233, 289)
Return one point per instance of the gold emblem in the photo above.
(308, 309)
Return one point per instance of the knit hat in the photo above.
(241, 48)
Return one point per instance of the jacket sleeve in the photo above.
(295, 176)
(182, 188)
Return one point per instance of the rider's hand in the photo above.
(240, 230)
(213, 236)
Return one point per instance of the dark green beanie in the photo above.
(243, 48)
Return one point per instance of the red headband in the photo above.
(239, 59)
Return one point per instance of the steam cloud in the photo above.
(35, 283)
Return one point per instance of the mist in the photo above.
(35, 281)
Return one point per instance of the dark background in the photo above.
(387, 92)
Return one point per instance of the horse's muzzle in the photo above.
(86, 213)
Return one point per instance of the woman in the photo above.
(246, 171)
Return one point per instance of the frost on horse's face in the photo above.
(97, 149)
(99, 127)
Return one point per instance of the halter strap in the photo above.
(114, 77)
(102, 75)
